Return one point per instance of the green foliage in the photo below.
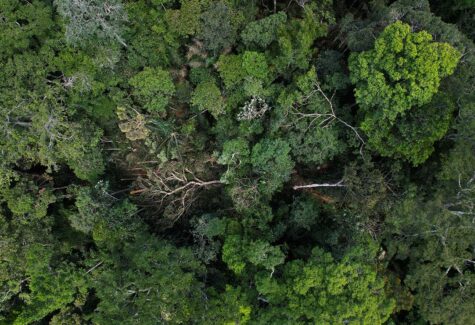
(116, 223)
(13, 257)
(158, 283)
(262, 254)
(218, 27)
(402, 71)
(186, 20)
(296, 38)
(261, 33)
(229, 308)
(83, 155)
(36, 24)
(322, 290)
(207, 97)
(233, 254)
(206, 231)
(314, 145)
(304, 214)
(98, 214)
(89, 210)
(412, 136)
(151, 43)
(236, 154)
(48, 290)
(435, 238)
(239, 252)
(199, 74)
(75, 145)
(231, 70)
(393, 82)
(305, 117)
(26, 200)
(203, 162)
(254, 64)
(271, 161)
(153, 87)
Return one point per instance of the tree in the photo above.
(235, 70)
(36, 121)
(48, 290)
(203, 162)
(231, 306)
(255, 65)
(207, 97)
(402, 71)
(307, 118)
(153, 88)
(36, 21)
(207, 230)
(295, 39)
(80, 149)
(240, 252)
(261, 33)
(218, 27)
(134, 127)
(148, 280)
(100, 214)
(422, 126)
(271, 162)
(186, 20)
(393, 81)
(434, 238)
(26, 200)
(151, 42)
(88, 21)
(14, 263)
(322, 290)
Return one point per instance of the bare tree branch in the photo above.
(338, 184)
(327, 118)
(175, 190)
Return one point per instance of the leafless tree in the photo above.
(255, 108)
(92, 20)
(173, 189)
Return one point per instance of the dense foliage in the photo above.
(237, 162)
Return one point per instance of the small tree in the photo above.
(271, 161)
(153, 87)
(261, 33)
(207, 97)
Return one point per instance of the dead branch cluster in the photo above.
(172, 190)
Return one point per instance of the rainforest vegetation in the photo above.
(237, 162)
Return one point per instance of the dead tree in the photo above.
(172, 190)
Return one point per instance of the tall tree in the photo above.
(394, 80)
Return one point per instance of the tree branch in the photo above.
(338, 184)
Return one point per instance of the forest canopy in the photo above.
(237, 162)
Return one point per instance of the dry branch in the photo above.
(173, 190)
(338, 184)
